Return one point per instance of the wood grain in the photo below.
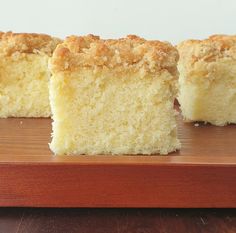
(202, 174)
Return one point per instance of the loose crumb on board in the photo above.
(196, 124)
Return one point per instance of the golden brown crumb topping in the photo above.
(27, 43)
(208, 50)
(130, 52)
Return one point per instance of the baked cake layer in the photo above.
(208, 79)
(24, 74)
(113, 107)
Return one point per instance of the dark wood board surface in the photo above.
(202, 174)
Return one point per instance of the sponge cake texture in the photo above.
(113, 96)
(24, 74)
(208, 79)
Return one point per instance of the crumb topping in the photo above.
(208, 50)
(27, 43)
(130, 52)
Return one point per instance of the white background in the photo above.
(165, 20)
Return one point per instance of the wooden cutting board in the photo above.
(202, 174)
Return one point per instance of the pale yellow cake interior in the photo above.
(207, 80)
(108, 113)
(24, 80)
(24, 74)
(208, 92)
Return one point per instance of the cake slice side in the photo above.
(113, 105)
(24, 74)
(208, 80)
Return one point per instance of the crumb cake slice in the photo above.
(208, 79)
(24, 74)
(113, 96)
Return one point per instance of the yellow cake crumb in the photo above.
(208, 79)
(113, 96)
(24, 74)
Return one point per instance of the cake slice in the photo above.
(113, 96)
(208, 79)
(24, 74)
